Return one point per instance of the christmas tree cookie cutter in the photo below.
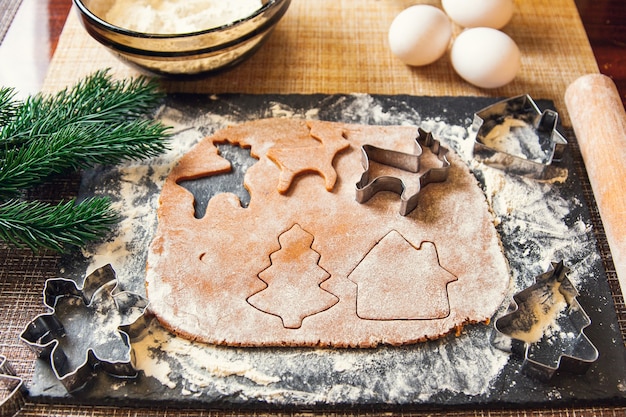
(516, 136)
(367, 187)
(88, 328)
(545, 324)
(14, 399)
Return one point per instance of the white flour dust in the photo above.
(136, 197)
(523, 143)
(538, 221)
(206, 367)
(534, 217)
(176, 16)
(336, 376)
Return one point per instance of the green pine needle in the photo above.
(96, 99)
(97, 121)
(78, 146)
(8, 106)
(39, 225)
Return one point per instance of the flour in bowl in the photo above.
(178, 16)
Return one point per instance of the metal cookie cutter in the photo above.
(514, 135)
(366, 188)
(88, 328)
(14, 386)
(546, 324)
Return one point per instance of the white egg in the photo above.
(479, 13)
(420, 35)
(485, 57)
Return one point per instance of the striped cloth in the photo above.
(8, 8)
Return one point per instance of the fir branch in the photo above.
(96, 99)
(98, 121)
(8, 106)
(39, 225)
(78, 146)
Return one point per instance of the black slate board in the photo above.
(302, 385)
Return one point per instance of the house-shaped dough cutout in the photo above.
(398, 281)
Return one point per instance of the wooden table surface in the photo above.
(338, 46)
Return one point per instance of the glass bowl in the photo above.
(183, 54)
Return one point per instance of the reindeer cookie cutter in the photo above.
(367, 187)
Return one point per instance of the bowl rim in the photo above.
(84, 10)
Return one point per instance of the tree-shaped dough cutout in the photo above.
(293, 281)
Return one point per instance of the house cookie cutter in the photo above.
(101, 340)
(545, 324)
(516, 136)
(367, 187)
(14, 386)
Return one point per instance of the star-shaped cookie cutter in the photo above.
(529, 155)
(367, 187)
(563, 344)
(46, 334)
(14, 385)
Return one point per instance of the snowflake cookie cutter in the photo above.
(367, 187)
(89, 311)
(516, 136)
(13, 385)
(549, 307)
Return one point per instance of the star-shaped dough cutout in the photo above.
(298, 160)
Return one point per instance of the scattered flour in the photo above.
(533, 216)
(176, 16)
(544, 308)
(537, 220)
(203, 366)
(138, 207)
(94, 326)
(516, 137)
(339, 375)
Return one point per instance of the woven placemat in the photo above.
(8, 9)
(340, 46)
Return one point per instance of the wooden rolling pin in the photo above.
(599, 121)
